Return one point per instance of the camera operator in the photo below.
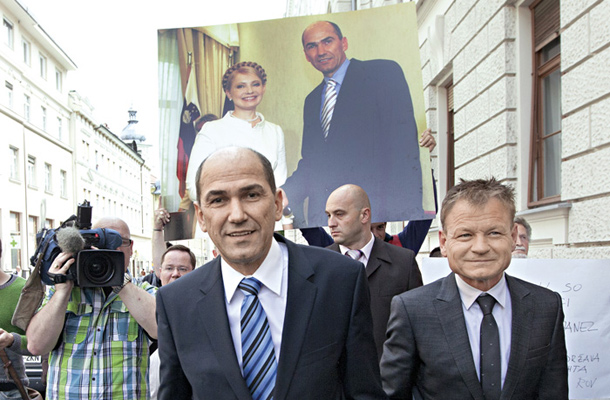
(98, 337)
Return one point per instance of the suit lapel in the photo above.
(299, 305)
(213, 313)
(520, 336)
(448, 305)
(378, 255)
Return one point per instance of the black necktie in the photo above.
(491, 370)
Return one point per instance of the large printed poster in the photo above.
(377, 112)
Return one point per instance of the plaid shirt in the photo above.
(102, 353)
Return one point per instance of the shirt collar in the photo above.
(230, 117)
(469, 294)
(267, 273)
(339, 74)
(366, 250)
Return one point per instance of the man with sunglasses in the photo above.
(98, 338)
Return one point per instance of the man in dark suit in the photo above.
(310, 305)
(368, 138)
(390, 269)
(477, 333)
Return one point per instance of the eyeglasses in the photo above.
(182, 270)
(126, 242)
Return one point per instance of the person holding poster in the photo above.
(358, 127)
(244, 84)
(478, 333)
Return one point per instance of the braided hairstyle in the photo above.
(243, 67)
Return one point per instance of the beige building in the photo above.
(519, 90)
(36, 177)
(54, 152)
(113, 177)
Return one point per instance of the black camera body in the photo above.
(100, 267)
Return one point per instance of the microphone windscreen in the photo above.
(70, 240)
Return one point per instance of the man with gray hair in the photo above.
(477, 333)
(524, 234)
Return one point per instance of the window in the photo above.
(15, 243)
(545, 157)
(48, 223)
(27, 51)
(14, 163)
(31, 171)
(9, 94)
(26, 107)
(63, 184)
(43, 66)
(60, 125)
(9, 34)
(43, 111)
(58, 80)
(48, 178)
(32, 229)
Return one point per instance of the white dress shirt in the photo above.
(265, 137)
(273, 274)
(366, 250)
(502, 313)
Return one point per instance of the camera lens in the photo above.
(98, 268)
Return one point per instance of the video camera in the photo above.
(93, 267)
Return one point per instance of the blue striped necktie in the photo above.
(330, 98)
(258, 355)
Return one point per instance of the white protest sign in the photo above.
(584, 288)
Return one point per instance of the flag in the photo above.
(190, 113)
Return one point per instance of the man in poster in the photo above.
(358, 128)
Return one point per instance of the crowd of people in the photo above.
(271, 319)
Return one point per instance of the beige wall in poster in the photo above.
(385, 32)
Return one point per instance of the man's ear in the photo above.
(200, 218)
(515, 235)
(442, 238)
(344, 43)
(279, 203)
(366, 215)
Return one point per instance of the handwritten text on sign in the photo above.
(583, 286)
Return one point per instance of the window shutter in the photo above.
(546, 21)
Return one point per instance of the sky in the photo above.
(114, 46)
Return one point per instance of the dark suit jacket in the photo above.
(372, 143)
(391, 270)
(428, 345)
(327, 349)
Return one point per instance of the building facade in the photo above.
(517, 89)
(113, 177)
(37, 177)
(54, 153)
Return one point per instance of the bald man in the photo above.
(390, 269)
(98, 337)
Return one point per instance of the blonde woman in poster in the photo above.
(244, 85)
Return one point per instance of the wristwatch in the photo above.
(126, 280)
